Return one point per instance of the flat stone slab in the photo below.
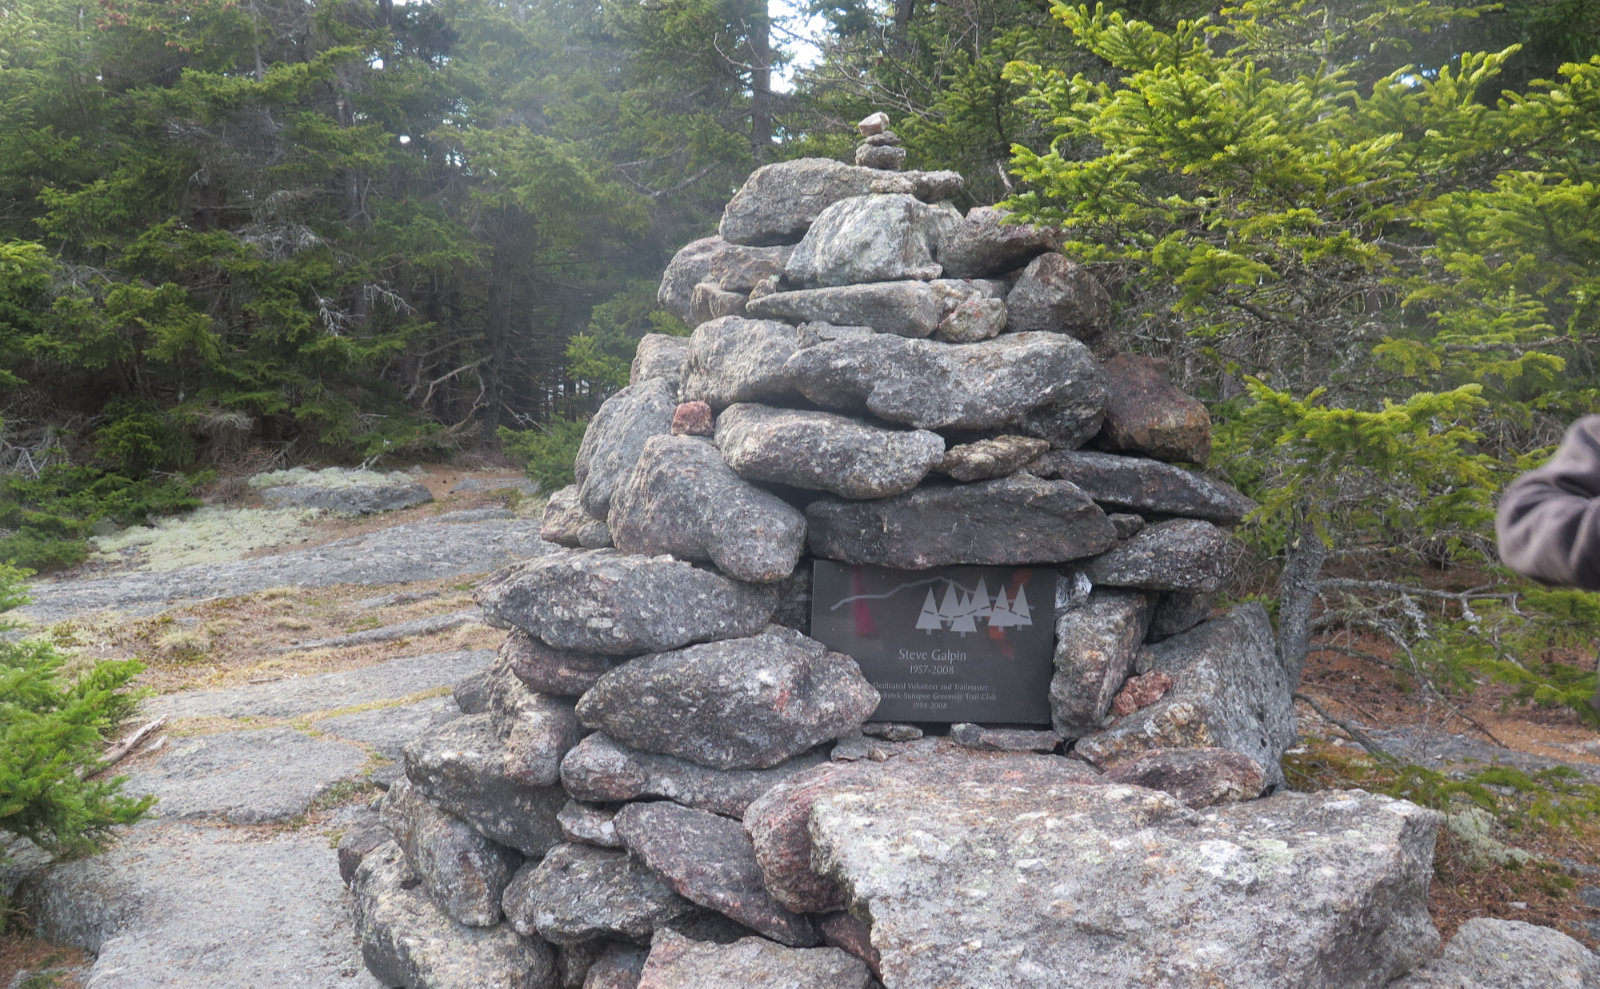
(1176, 555)
(733, 359)
(823, 451)
(1140, 484)
(176, 906)
(326, 691)
(676, 962)
(578, 893)
(602, 770)
(1037, 888)
(1487, 953)
(414, 551)
(244, 777)
(353, 499)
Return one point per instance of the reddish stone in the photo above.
(1140, 692)
(841, 930)
(693, 419)
(1146, 414)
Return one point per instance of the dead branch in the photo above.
(120, 751)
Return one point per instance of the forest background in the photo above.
(1366, 233)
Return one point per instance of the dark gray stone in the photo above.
(1197, 777)
(602, 770)
(734, 359)
(882, 156)
(460, 766)
(1489, 953)
(682, 498)
(578, 893)
(618, 967)
(472, 694)
(871, 239)
(823, 451)
(1041, 384)
(708, 859)
(536, 730)
(1057, 295)
(605, 602)
(984, 244)
(464, 872)
(1228, 692)
(992, 884)
(616, 436)
(732, 267)
(407, 941)
(659, 355)
(357, 841)
(1176, 555)
(1097, 643)
(566, 523)
(794, 599)
(676, 962)
(904, 308)
(588, 825)
(996, 456)
(1143, 485)
(1008, 522)
(560, 672)
(736, 704)
(1179, 611)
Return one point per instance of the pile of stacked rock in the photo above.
(664, 782)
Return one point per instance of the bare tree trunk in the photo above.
(900, 31)
(1297, 592)
(761, 125)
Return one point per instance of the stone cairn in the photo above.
(664, 782)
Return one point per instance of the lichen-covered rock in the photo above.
(536, 730)
(971, 320)
(342, 492)
(603, 770)
(588, 824)
(1040, 384)
(1176, 555)
(559, 672)
(675, 962)
(1228, 692)
(616, 436)
(887, 157)
(746, 703)
(460, 767)
(463, 871)
(1143, 485)
(823, 451)
(731, 267)
(734, 359)
(659, 355)
(983, 739)
(407, 941)
(1197, 777)
(994, 456)
(778, 203)
(710, 302)
(565, 522)
(904, 308)
(1147, 414)
(1057, 295)
(984, 244)
(1037, 888)
(1488, 953)
(1097, 643)
(682, 498)
(871, 239)
(1009, 521)
(578, 893)
(708, 859)
(605, 602)
(357, 843)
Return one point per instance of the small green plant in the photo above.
(547, 452)
(49, 518)
(51, 732)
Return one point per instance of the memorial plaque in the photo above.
(944, 644)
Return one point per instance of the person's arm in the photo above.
(1549, 519)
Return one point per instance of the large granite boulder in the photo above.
(871, 239)
(601, 769)
(659, 355)
(407, 941)
(616, 436)
(1058, 295)
(714, 261)
(823, 451)
(734, 359)
(677, 962)
(460, 767)
(1036, 888)
(1008, 521)
(1097, 643)
(1139, 484)
(1188, 555)
(577, 893)
(1228, 691)
(682, 498)
(602, 601)
(708, 859)
(736, 704)
(1040, 384)
(464, 872)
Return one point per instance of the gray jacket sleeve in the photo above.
(1549, 519)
